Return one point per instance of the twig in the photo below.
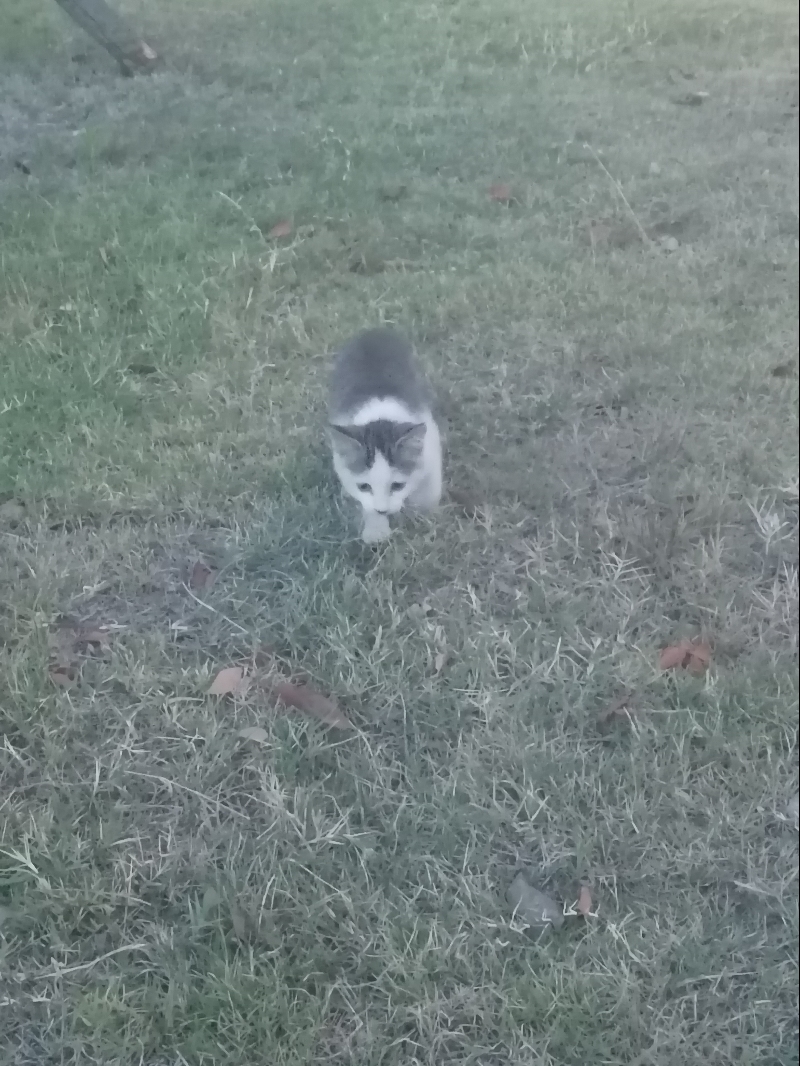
(88, 965)
(623, 197)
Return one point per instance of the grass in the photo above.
(624, 413)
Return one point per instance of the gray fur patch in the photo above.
(376, 364)
(400, 443)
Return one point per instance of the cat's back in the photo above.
(376, 365)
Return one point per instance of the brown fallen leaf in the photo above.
(310, 701)
(501, 192)
(585, 901)
(201, 576)
(692, 655)
(699, 657)
(227, 682)
(673, 656)
(281, 229)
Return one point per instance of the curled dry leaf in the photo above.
(699, 657)
(673, 656)
(585, 901)
(308, 700)
(229, 681)
(501, 192)
(201, 576)
(281, 229)
(691, 655)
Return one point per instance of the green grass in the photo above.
(623, 410)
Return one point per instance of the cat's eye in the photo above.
(364, 487)
(397, 485)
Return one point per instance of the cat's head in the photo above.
(378, 462)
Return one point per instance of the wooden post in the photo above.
(111, 31)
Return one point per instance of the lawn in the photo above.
(189, 879)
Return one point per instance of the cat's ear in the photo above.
(348, 441)
(409, 441)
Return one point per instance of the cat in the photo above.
(387, 450)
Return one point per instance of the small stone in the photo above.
(655, 169)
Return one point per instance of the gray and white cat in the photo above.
(386, 445)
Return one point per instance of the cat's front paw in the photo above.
(376, 529)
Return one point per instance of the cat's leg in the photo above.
(376, 528)
(428, 493)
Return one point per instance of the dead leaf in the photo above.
(533, 906)
(792, 810)
(673, 656)
(227, 682)
(692, 655)
(699, 657)
(439, 659)
(201, 576)
(310, 701)
(254, 732)
(281, 229)
(501, 193)
(585, 901)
